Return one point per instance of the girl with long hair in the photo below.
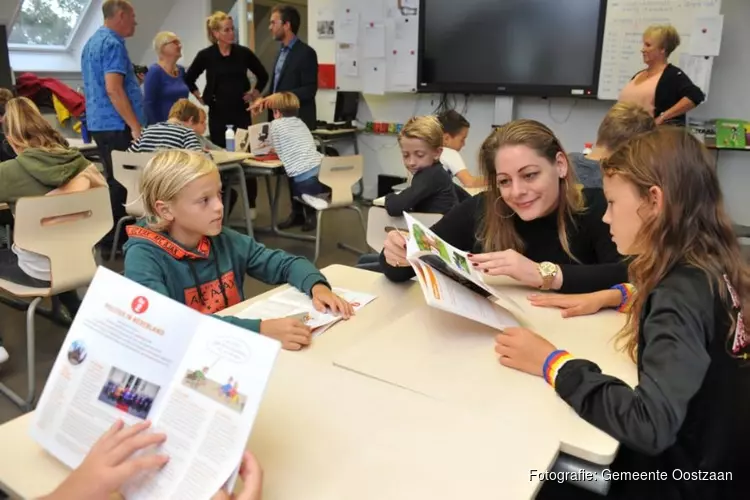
(685, 331)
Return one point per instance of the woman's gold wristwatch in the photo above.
(548, 271)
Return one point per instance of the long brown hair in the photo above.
(693, 228)
(498, 233)
(25, 126)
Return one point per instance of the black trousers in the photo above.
(218, 119)
(106, 142)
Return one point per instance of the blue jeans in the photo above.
(310, 186)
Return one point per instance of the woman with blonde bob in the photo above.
(533, 224)
(685, 330)
(44, 165)
(182, 250)
(165, 80)
(662, 89)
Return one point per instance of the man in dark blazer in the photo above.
(295, 70)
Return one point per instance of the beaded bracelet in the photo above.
(553, 363)
(626, 290)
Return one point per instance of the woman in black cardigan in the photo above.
(534, 223)
(227, 90)
(662, 89)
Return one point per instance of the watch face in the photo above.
(548, 268)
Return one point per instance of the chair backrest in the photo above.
(242, 140)
(127, 168)
(340, 173)
(378, 220)
(65, 228)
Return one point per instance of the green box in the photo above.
(732, 134)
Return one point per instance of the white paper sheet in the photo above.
(373, 77)
(373, 41)
(698, 68)
(705, 39)
(347, 27)
(346, 60)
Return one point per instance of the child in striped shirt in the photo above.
(178, 132)
(295, 146)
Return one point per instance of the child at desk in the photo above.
(685, 331)
(116, 458)
(183, 251)
(455, 130)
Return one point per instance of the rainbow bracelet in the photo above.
(553, 363)
(627, 291)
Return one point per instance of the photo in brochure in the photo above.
(128, 393)
(260, 139)
(76, 353)
(448, 281)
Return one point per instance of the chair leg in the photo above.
(350, 248)
(116, 239)
(319, 215)
(28, 403)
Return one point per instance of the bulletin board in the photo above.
(623, 37)
(376, 45)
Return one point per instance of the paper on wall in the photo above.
(347, 27)
(346, 60)
(373, 41)
(705, 38)
(373, 77)
(698, 68)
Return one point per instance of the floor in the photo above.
(338, 226)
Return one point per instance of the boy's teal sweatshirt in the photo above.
(217, 268)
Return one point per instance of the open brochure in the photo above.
(449, 282)
(292, 303)
(133, 354)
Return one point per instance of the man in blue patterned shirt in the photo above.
(114, 102)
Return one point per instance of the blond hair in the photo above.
(25, 127)
(425, 128)
(213, 23)
(163, 38)
(184, 111)
(622, 122)
(165, 175)
(667, 35)
(497, 231)
(286, 103)
(110, 8)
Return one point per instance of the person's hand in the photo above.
(109, 463)
(292, 333)
(394, 249)
(135, 132)
(258, 106)
(508, 263)
(252, 481)
(324, 299)
(521, 349)
(659, 120)
(579, 304)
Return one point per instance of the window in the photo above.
(47, 23)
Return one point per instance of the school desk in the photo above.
(400, 340)
(228, 161)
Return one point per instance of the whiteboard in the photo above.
(376, 45)
(623, 31)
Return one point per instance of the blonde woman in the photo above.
(183, 251)
(165, 80)
(227, 87)
(44, 165)
(534, 223)
(662, 89)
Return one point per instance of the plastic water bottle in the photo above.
(587, 148)
(229, 137)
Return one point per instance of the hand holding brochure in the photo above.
(134, 354)
(449, 282)
(292, 303)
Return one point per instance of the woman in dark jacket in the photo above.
(662, 89)
(227, 91)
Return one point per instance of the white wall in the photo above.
(574, 121)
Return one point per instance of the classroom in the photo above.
(374, 249)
